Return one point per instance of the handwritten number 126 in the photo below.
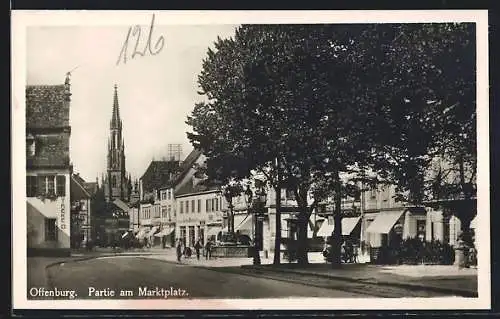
(136, 32)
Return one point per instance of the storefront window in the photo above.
(191, 236)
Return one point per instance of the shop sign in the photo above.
(63, 216)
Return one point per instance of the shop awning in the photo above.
(213, 231)
(325, 230)
(384, 222)
(165, 232)
(152, 231)
(245, 225)
(142, 233)
(348, 225)
(473, 223)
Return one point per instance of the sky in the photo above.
(156, 92)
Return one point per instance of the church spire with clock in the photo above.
(116, 183)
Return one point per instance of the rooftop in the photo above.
(47, 106)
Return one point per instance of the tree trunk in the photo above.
(277, 241)
(337, 221)
(465, 210)
(302, 248)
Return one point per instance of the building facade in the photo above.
(199, 215)
(166, 234)
(81, 214)
(152, 220)
(48, 167)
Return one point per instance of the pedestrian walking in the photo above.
(197, 248)
(179, 250)
(208, 248)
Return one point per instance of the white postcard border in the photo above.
(22, 19)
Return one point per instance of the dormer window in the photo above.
(30, 145)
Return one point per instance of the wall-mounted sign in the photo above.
(62, 218)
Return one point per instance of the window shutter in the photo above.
(61, 185)
(41, 185)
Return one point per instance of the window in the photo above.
(169, 195)
(289, 193)
(46, 184)
(113, 181)
(30, 145)
(209, 207)
(163, 212)
(31, 186)
(191, 236)
(187, 206)
(50, 229)
(199, 205)
(169, 211)
(373, 193)
(192, 206)
(61, 185)
(51, 185)
(163, 195)
(183, 234)
(216, 204)
(156, 211)
(181, 207)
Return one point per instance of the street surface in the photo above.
(150, 278)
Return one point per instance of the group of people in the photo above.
(348, 252)
(183, 250)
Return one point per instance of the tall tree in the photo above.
(291, 93)
(426, 110)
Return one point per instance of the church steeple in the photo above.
(116, 177)
(115, 118)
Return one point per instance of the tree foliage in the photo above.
(312, 103)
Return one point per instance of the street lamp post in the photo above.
(258, 214)
(255, 251)
(229, 198)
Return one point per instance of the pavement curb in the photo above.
(455, 291)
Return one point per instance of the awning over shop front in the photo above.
(165, 232)
(348, 225)
(473, 223)
(152, 231)
(142, 233)
(325, 230)
(384, 222)
(245, 226)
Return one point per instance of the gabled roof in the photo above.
(91, 187)
(159, 174)
(187, 164)
(121, 204)
(47, 106)
(77, 190)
